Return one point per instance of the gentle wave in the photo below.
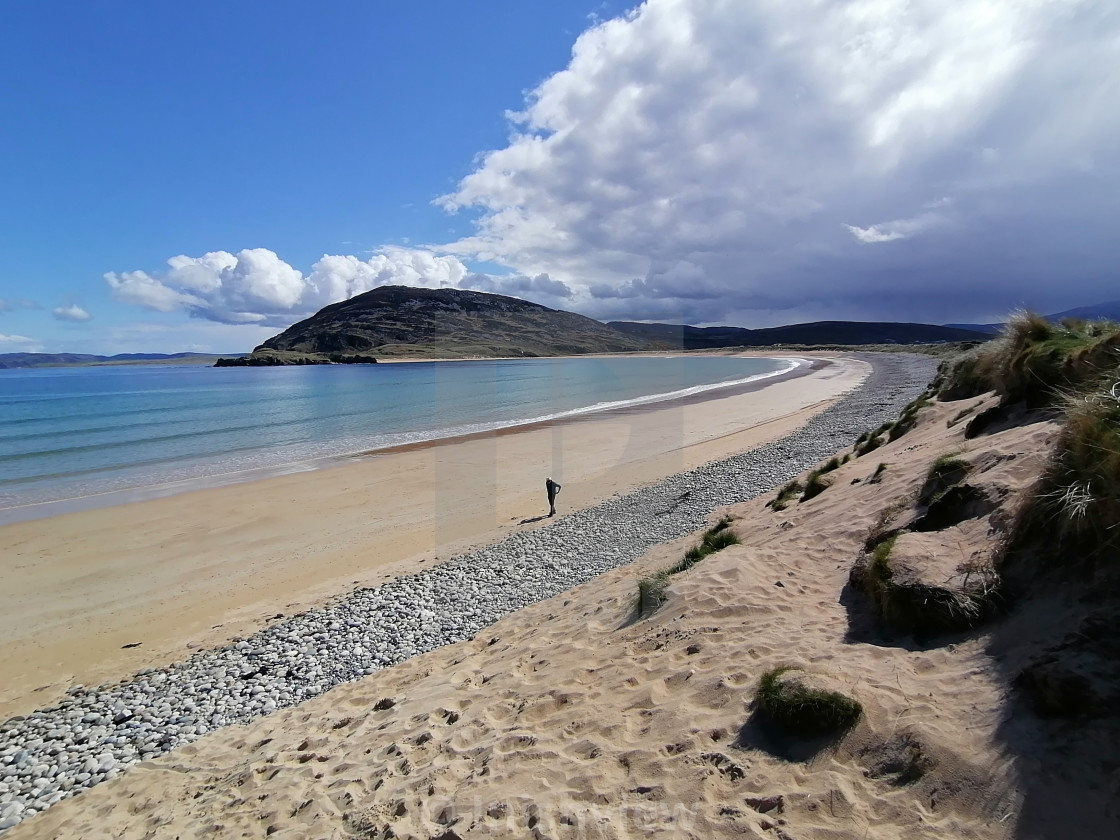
(162, 476)
(151, 439)
(407, 438)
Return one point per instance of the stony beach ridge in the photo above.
(94, 734)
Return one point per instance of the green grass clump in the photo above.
(723, 524)
(880, 566)
(945, 465)
(870, 444)
(872, 575)
(717, 541)
(1073, 367)
(814, 485)
(651, 593)
(1033, 361)
(869, 441)
(916, 607)
(716, 538)
(786, 494)
(877, 476)
(909, 417)
(801, 710)
(945, 471)
(651, 589)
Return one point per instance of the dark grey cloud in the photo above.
(761, 163)
(518, 285)
(764, 162)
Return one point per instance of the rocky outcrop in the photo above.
(266, 359)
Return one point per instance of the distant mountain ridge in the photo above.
(1107, 311)
(818, 332)
(412, 322)
(9, 361)
(437, 323)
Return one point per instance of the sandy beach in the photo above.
(95, 595)
(580, 717)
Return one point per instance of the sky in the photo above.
(197, 177)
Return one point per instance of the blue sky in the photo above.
(699, 161)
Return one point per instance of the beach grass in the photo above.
(651, 588)
(651, 593)
(815, 484)
(785, 495)
(802, 710)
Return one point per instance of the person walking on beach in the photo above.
(552, 488)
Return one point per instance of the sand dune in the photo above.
(577, 718)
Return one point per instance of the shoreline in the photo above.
(99, 594)
(413, 623)
(128, 495)
(732, 390)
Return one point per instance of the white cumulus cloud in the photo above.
(73, 313)
(255, 286)
(721, 161)
(19, 344)
(890, 231)
(720, 150)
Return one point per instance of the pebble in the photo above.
(94, 733)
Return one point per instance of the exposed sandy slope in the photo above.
(572, 719)
(199, 568)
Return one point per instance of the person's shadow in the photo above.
(533, 519)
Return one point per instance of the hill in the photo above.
(819, 332)
(440, 323)
(402, 321)
(1108, 311)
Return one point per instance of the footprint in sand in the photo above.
(586, 750)
(514, 743)
(726, 767)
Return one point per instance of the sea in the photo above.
(83, 436)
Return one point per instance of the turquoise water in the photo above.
(74, 432)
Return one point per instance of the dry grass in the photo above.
(1072, 368)
(651, 593)
(1033, 361)
(1079, 500)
